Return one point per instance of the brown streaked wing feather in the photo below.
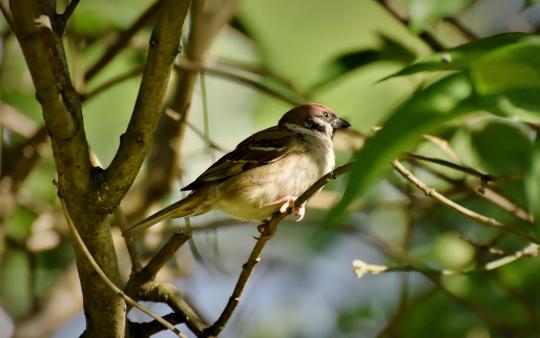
(264, 147)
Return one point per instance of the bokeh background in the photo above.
(333, 52)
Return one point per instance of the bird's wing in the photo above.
(261, 148)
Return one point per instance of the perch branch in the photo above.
(254, 258)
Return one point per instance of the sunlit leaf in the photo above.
(425, 12)
(426, 110)
(511, 54)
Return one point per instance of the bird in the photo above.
(265, 173)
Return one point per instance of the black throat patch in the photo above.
(314, 125)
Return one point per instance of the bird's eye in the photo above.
(325, 114)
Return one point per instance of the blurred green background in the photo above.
(333, 52)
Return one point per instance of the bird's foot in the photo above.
(261, 227)
(264, 230)
(288, 202)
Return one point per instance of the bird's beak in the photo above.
(339, 123)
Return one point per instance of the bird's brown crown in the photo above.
(300, 114)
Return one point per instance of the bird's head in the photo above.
(315, 117)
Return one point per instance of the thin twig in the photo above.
(427, 37)
(168, 293)
(141, 284)
(111, 82)
(479, 218)
(467, 32)
(192, 66)
(164, 254)
(247, 270)
(147, 329)
(120, 218)
(106, 279)
(468, 170)
(62, 19)
(486, 193)
(361, 268)
(122, 40)
(262, 71)
(208, 141)
(69, 10)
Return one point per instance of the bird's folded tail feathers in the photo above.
(182, 208)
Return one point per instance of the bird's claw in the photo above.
(299, 211)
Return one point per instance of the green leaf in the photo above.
(425, 12)
(524, 103)
(481, 56)
(502, 145)
(510, 67)
(426, 110)
(532, 187)
(15, 283)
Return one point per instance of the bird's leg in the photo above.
(300, 212)
(287, 202)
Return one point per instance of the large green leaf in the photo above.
(424, 111)
(497, 63)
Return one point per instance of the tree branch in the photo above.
(122, 40)
(468, 170)
(62, 19)
(46, 61)
(106, 279)
(151, 269)
(247, 269)
(147, 329)
(135, 142)
(141, 284)
(169, 294)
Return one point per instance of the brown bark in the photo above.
(91, 193)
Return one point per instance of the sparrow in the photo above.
(265, 173)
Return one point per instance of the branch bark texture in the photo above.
(91, 193)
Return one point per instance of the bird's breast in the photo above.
(252, 195)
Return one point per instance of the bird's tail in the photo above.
(182, 208)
